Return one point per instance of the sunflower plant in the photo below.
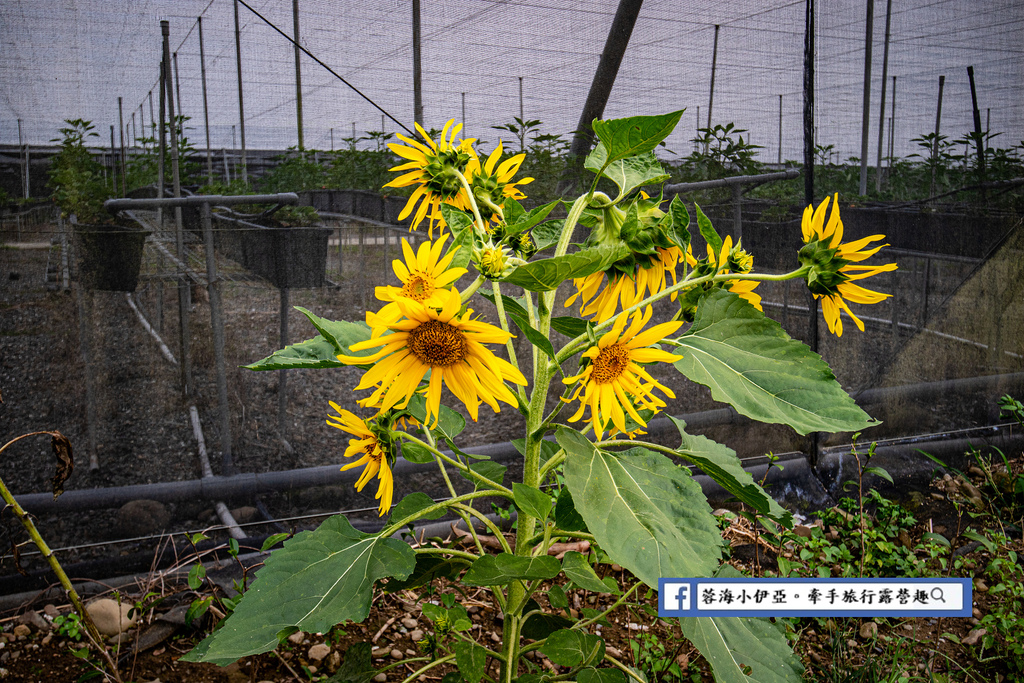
(625, 500)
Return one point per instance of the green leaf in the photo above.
(557, 597)
(707, 231)
(541, 625)
(570, 326)
(412, 504)
(413, 452)
(748, 361)
(634, 135)
(531, 501)
(342, 334)
(546, 274)
(318, 579)
(428, 568)
(512, 306)
(197, 609)
(937, 538)
(312, 353)
(487, 469)
(494, 570)
(196, 576)
(531, 219)
(456, 219)
(580, 572)
(450, 423)
(975, 536)
(566, 516)
(547, 234)
(471, 660)
(464, 241)
(357, 666)
(731, 643)
(271, 541)
(723, 466)
(680, 222)
(628, 174)
(547, 448)
(879, 472)
(592, 675)
(569, 647)
(535, 337)
(645, 511)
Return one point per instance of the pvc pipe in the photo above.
(680, 188)
(149, 328)
(200, 199)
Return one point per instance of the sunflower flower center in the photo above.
(418, 287)
(610, 364)
(437, 344)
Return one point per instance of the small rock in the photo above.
(816, 658)
(245, 514)
(142, 517)
(379, 652)
(335, 660)
(47, 639)
(297, 638)
(977, 613)
(410, 623)
(416, 635)
(683, 660)
(938, 496)
(616, 568)
(110, 617)
(974, 622)
(22, 630)
(802, 530)
(904, 538)
(970, 490)
(495, 638)
(980, 586)
(411, 652)
(50, 611)
(868, 630)
(33, 618)
(380, 678)
(473, 609)
(908, 627)
(976, 471)
(319, 651)
(614, 652)
(851, 643)
(397, 654)
(974, 636)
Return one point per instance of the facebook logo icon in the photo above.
(675, 597)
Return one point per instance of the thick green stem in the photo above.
(497, 489)
(443, 505)
(503, 319)
(471, 290)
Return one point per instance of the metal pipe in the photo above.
(935, 142)
(24, 166)
(223, 513)
(780, 130)
(417, 70)
(711, 94)
(866, 106)
(161, 184)
(200, 200)
(85, 310)
(206, 107)
(680, 188)
(124, 165)
(881, 107)
(282, 374)
(113, 160)
(979, 139)
(298, 73)
(241, 108)
(166, 352)
(177, 85)
(217, 323)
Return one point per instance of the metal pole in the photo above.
(298, 73)
(217, 323)
(85, 309)
(113, 160)
(241, 109)
(124, 164)
(282, 376)
(152, 119)
(977, 126)
(177, 84)
(142, 121)
(206, 107)
(463, 114)
(866, 107)
(522, 115)
(812, 302)
(711, 94)
(417, 71)
(21, 159)
(737, 213)
(892, 120)
(135, 136)
(332, 139)
(881, 107)
(935, 142)
(780, 130)
(184, 294)
(162, 129)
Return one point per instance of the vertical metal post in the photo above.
(881, 107)
(711, 94)
(988, 119)
(113, 160)
(85, 309)
(866, 105)
(737, 213)
(152, 118)
(124, 163)
(227, 169)
(522, 114)
(206, 107)
(177, 86)
(241, 108)
(142, 121)
(935, 143)
(298, 73)
(979, 141)
(332, 139)
(780, 131)
(21, 159)
(417, 71)
(184, 293)
(925, 288)
(463, 115)
(812, 302)
(282, 375)
(135, 135)
(217, 323)
(161, 170)
(892, 120)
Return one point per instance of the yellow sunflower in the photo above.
(744, 263)
(831, 275)
(426, 278)
(433, 167)
(449, 347)
(614, 382)
(374, 455)
(625, 289)
(492, 185)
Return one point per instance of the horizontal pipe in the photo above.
(199, 200)
(679, 188)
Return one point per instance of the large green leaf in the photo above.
(592, 675)
(531, 501)
(493, 570)
(312, 353)
(722, 464)
(569, 647)
(318, 579)
(546, 274)
(647, 513)
(628, 174)
(413, 504)
(357, 667)
(471, 659)
(732, 643)
(547, 234)
(341, 333)
(580, 572)
(534, 337)
(707, 231)
(529, 220)
(749, 362)
(634, 135)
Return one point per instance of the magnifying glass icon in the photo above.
(938, 595)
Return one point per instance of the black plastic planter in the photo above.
(109, 256)
(291, 257)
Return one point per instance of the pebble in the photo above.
(974, 636)
(379, 652)
(977, 613)
(47, 639)
(816, 657)
(613, 651)
(908, 627)
(980, 586)
(410, 623)
(495, 638)
(319, 651)
(411, 652)
(473, 609)
(397, 654)
(416, 635)
(22, 630)
(50, 611)
(938, 496)
(297, 638)
(616, 568)
(380, 678)
(851, 643)
(868, 630)
(110, 617)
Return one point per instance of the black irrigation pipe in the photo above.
(251, 484)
